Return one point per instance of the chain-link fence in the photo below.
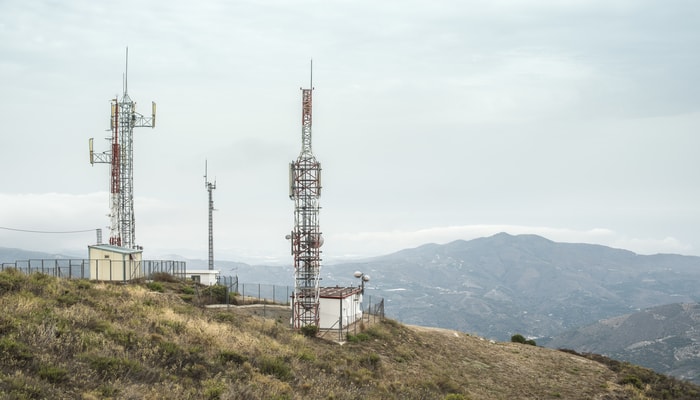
(106, 269)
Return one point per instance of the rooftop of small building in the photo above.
(116, 249)
(203, 271)
(338, 292)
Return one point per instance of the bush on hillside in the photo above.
(518, 338)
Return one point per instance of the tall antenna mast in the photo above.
(122, 122)
(210, 187)
(306, 238)
(126, 72)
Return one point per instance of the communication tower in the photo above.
(210, 187)
(123, 120)
(306, 238)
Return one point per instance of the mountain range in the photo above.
(501, 285)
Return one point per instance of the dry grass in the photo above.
(75, 339)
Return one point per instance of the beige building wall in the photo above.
(112, 263)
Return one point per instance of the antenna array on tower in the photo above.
(123, 120)
(306, 238)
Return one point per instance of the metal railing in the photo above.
(107, 270)
(265, 293)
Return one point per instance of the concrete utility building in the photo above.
(339, 307)
(206, 277)
(114, 263)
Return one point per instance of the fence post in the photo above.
(369, 309)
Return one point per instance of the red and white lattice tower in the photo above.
(306, 239)
(124, 119)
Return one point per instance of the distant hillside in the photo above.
(503, 284)
(10, 255)
(664, 338)
(80, 339)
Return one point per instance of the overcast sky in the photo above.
(433, 121)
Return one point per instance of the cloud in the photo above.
(69, 220)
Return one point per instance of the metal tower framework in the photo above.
(210, 187)
(123, 120)
(306, 238)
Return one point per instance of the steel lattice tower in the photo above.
(124, 119)
(305, 190)
(210, 187)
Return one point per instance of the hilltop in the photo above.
(664, 338)
(81, 339)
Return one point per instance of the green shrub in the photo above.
(53, 374)
(378, 332)
(225, 317)
(112, 367)
(275, 366)
(11, 280)
(21, 386)
(309, 330)
(372, 360)
(83, 284)
(188, 290)
(360, 337)
(227, 356)
(305, 355)
(632, 380)
(12, 349)
(155, 286)
(213, 389)
(68, 298)
(216, 293)
(517, 338)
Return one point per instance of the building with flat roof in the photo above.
(114, 263)
(339, 307)
(206, 277)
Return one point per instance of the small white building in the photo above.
(339, 307)
(206, 277)
(114, 263)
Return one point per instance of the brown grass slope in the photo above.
(80, 339)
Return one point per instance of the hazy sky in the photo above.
(433, 121)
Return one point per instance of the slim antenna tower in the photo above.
(123, 120)
(306, 238)
(210, 187)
